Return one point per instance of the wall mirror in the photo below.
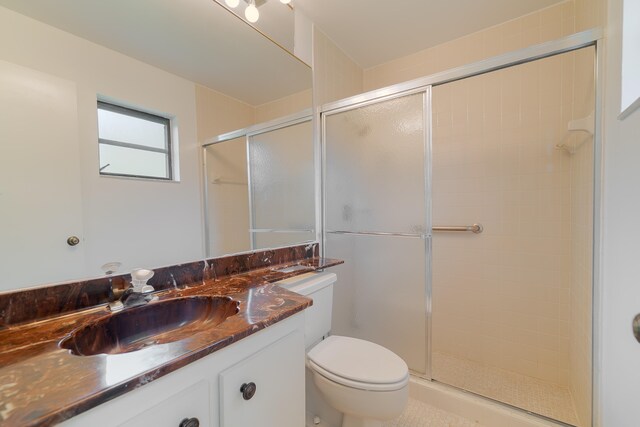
(192, 62)
(259, 186)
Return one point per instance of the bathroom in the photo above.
(462, 175)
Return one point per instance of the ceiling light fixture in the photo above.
(251, 12)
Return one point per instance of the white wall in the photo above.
(138, 222)
(619, 373)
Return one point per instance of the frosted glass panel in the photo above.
(282, 178)
(381, 297)
(129, 161)
(375, 167)
(133, 130)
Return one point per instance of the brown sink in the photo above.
(155, 323)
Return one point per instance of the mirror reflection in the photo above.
(251, 175)
(192, 65)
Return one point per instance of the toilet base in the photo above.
(352, 421)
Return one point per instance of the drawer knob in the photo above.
(248, 390)
(73, 240)
(190, 422)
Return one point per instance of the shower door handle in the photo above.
(636, 327)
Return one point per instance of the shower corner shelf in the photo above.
(585, 124)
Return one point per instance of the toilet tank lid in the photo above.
(359, 360)
(306, 284)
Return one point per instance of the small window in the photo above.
(133, 143)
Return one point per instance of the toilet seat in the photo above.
(358, 364)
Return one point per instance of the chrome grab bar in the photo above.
(376, 233)
(279, 230)
(475, 228)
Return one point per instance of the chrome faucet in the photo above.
(139, 293)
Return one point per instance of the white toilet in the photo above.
(366, 382)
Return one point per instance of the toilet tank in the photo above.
(318, 287)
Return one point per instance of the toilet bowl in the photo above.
(364, 381)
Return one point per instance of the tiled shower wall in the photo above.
(502, 297)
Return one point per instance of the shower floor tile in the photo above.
(420, 414)
(524, 392)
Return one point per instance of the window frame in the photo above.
(131, 112)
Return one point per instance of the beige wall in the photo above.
(218, 113)
(283, 107)
(590, 14)
(335, 75)
(544, 25)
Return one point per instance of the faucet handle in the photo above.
(139, 278)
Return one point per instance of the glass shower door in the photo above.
(511, 313)
(281, 176)
(376, 219)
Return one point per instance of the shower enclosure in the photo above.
(464, 212)
(259, 187)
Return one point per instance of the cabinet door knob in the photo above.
(248, 390)
(190, 422)
(73, 240)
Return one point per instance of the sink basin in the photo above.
(155, 323)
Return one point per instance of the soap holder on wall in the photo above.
(585, 124)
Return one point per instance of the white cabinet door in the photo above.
(40, 193)
(184, 405)
(278, 374)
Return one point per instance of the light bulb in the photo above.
(251, 13)
(285, 1)
(232, 3)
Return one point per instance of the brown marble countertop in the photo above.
(42, 384)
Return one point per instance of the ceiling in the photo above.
(372, 32)
(195, 39)
(202, 41)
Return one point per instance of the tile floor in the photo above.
(420, 414)
(528, 393)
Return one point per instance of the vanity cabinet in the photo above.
(211, 389)
(263, 387)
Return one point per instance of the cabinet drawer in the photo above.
(277, 372)
(192, 402)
